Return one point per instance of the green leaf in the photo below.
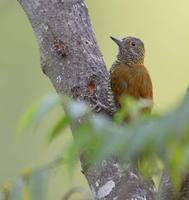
(85, 193)
(38, 184)
(1, 195)
(76, 109)
(26, 119)
(45, 105)
(17, 190)
(37, 111)
(59, 127)
(131, 109)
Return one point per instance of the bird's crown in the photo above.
(131, 50)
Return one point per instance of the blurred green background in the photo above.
(162, 25)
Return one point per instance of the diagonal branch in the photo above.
(71, 59)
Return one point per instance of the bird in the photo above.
(128, 74)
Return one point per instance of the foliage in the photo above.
(156, 141)
(30, 185)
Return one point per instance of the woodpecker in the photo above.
(128, 75)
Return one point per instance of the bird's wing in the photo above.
(118, 83)
(146, 89)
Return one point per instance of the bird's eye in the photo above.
(133, 44)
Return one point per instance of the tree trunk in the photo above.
(73, 62)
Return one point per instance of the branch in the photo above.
(71, 59)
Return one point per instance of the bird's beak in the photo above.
(117, 41)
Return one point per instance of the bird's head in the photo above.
(131, 50)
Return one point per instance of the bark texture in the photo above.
(72, 60)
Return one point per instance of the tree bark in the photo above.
(73, 62)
